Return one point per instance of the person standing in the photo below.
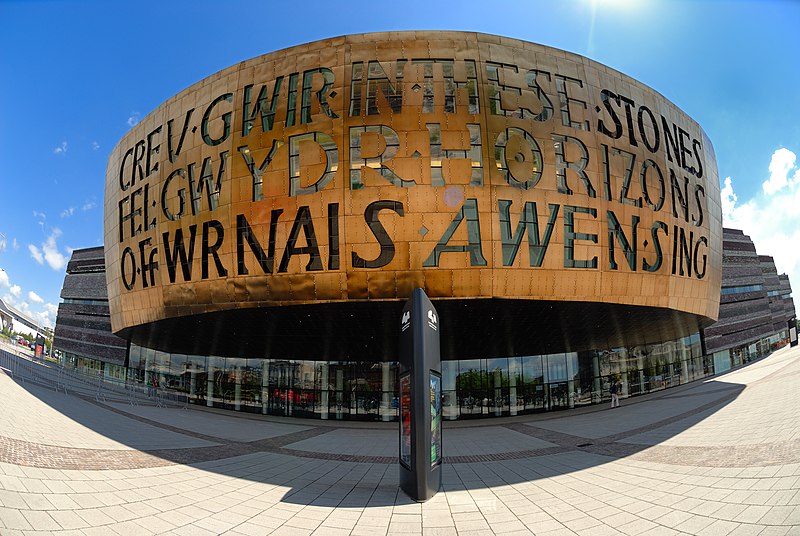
(615, 388)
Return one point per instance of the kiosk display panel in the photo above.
(405, 420)
(436, 418)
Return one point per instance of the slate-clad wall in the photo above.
(83, 326)
(772, 285)
(743, 316)
(786, 300)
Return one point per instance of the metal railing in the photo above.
(86, 384)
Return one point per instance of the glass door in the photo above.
(279, 401)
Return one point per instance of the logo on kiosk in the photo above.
(405, 321)
(432, 320)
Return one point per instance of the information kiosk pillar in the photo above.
(420, 399)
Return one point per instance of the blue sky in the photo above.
(77, 75)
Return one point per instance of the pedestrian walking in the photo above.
(615, 389)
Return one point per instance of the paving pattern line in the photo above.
(30, 454)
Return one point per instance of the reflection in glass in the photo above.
(514, 379)
(369, 391)
(405, 420)
(470, 385)
(436, 417)
(450, 395)
(497, 374)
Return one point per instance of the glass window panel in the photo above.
(161, 362)
(532, 371)
(470, 375)
(449, 373)
(497, 372)
(556, 367)
(470, 386)
(134, 357)
(177, 364)
(516, 399)
(497, 378)
(196, 369)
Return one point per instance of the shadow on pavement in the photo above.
(353, 465)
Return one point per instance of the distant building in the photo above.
(755, 305)
(15, 320)
(83, 327)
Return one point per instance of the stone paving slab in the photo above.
(221, 426)
(53, 418)
(714, 457)
(634, 417)
(460, 441)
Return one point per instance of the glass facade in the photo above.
(289, 387)
(740, 355)
(107, 372)
(471, 388)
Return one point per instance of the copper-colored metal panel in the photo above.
(382, 284)
(357, 288)
(407, 281)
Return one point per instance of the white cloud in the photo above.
(61, 149)
(52, 255)
(35, 298)
(36, 254)
(728, 197)
(95, 146)
(47, 316)
(771, 218)
(133, 119)
(41, 216)
(12, 297)
(89, 205)
(783, 161)
(67, 212)
(15, 244)
(49, 252)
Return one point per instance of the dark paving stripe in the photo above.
(151, 422)
(25, 453)
(728, 397)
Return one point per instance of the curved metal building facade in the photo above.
(284, 208)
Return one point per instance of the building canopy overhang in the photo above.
(368, 331)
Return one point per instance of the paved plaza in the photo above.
(720, 456)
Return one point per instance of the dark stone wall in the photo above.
(772, 285)
(786, 301)
(83, 325)
(743, 316)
